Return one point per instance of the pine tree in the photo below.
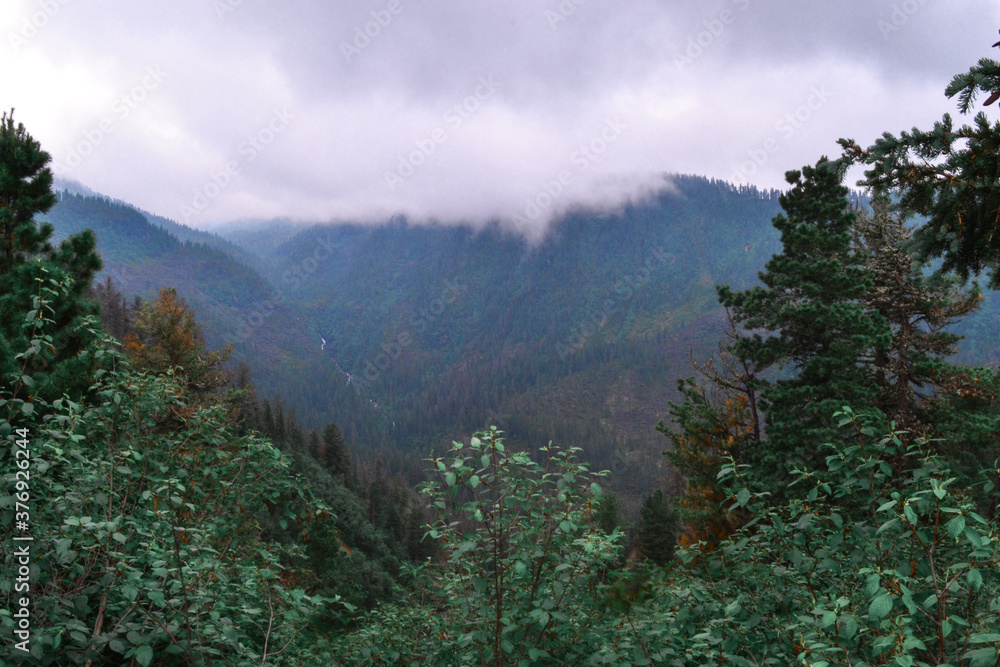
(949, 175)
(811, 302)
(657, 528)
(280, 430)
(336, 458)
(718, 419)
(911, 372)
(713, 424)
(267, 420)
(608, 514)
(29, 263)
(315, 448)
(245, 398)
(166, 336)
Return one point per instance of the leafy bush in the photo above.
(520, 578)
(146, 514)
(867, 569)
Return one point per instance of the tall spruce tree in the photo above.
(821, 333)
(911, 372)
(657, 528)
(336, 458)
(29, 263)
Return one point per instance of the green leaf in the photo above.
(485, 461)
(144, 656)
(848, 626)
(973, 536)
(743, 497)
(880, 607)
(27, 408)
(474, 481)
(450, 479)
(116, 645)
(119, 537)
(975, 579)
(956, 526)
(982, 657)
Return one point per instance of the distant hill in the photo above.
(407, 336)
(142, 258)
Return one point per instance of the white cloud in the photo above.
(703, 89)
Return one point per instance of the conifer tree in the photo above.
(166, 336)
(949, 175)
(336, 458)
(712, 427)
(280, 431)
(811, 303)
(911, 372)
(267, 420)
(608, 514)
(657, 528)
(29, 262)
(315, 448)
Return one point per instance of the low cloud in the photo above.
(464, 112)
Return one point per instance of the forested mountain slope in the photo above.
(432, 331)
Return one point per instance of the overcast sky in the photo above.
(207, 111)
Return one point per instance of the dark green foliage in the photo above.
(911, 373)
(866, 568)
(521, 582)
(29, 263)
(948, 174)
(336, 458)
(146, 513)
(314, 447)
(607, 516)
(657, 528)
(267, 420)
(811, 303)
